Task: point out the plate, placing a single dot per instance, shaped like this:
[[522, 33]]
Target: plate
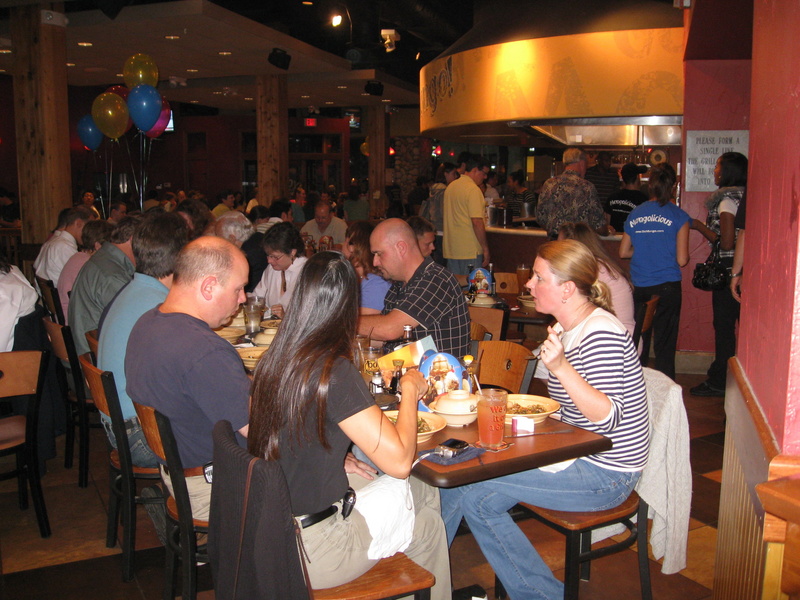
[[527, 301], [230, 333], [527, 400], [436, 423], [271, 323], [251, 356]]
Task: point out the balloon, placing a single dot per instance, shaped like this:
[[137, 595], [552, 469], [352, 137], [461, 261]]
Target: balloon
[[90, 135], [122, 92], [144, 105], [110, 114], [163, 120], [140, 69]]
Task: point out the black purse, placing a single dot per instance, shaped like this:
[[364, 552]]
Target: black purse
[[712, 274]]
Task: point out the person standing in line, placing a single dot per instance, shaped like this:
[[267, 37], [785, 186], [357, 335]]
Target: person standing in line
[[620, 204], [656, 239], [464, 209]]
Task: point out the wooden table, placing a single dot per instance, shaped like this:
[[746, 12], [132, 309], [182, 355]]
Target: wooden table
[[529, 452], [524, 316]]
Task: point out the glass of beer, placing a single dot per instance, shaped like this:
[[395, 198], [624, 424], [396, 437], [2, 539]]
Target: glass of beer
[[492, 405], [523, 275]]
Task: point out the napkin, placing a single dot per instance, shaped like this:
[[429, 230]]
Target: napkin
[[468, 454]]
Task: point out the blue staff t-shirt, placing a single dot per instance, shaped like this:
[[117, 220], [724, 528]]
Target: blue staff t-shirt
[[653, 230]]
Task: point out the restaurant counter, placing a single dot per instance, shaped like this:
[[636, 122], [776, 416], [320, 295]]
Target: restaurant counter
[[513, 245]]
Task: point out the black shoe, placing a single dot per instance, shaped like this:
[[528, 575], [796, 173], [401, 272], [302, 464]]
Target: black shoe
[[705, 389], [156, 510]]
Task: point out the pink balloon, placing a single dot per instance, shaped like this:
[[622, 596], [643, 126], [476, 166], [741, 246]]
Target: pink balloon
[[163, 120]]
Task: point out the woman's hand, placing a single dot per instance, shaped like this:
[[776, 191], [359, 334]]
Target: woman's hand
[[277, 310], [415, 382], [552, 351], [354, 466]]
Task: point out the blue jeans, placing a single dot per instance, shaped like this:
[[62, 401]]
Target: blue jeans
[[460, 266], [141, 454], [580, 487]]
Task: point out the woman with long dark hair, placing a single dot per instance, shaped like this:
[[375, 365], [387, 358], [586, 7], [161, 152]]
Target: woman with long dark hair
[[309, 403], [656, 239], [730, 176]]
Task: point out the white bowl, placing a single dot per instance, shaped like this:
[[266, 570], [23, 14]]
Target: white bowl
[[454, 419], [435, 422], [529, 401], [527, 301], [264, 338], [457, 402]]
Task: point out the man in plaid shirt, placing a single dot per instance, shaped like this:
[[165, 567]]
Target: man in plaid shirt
[[423, 294]]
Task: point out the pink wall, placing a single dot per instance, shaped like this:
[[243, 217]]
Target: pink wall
[[769, 344], [716, 96]]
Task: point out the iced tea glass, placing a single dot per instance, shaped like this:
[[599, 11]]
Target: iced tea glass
[[492, 405], [523, 276]]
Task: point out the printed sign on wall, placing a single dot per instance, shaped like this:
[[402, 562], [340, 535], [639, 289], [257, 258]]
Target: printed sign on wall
[[702, 150]]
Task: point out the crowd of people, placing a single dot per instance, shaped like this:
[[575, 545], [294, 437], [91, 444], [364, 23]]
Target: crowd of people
[[156, 284]]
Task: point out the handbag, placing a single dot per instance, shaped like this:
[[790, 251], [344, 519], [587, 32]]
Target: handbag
[[712, 274]]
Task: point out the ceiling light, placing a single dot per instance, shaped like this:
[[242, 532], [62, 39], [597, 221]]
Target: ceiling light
[[308, 3], [224, 53], [365, 94], [120, 75], [5, 51], [389, 36], [70, 64], [192, 71], [306, 96], [172, 37], [85, 44], [248, 98], [217, 93], [386, 100], [336, 20], [342, 87], [328, 102], [279, 58], [194, 101]]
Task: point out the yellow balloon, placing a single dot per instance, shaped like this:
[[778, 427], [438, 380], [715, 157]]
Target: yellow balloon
[[110, 114], [140, 69]]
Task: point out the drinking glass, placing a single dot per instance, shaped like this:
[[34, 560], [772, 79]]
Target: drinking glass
[[252, 318], [523, 276], [492, 405]]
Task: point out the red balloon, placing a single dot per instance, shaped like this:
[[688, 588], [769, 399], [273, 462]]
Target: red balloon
[[163, 120], [122, 92]]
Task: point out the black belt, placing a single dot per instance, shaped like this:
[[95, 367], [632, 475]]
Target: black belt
[[314, 518]]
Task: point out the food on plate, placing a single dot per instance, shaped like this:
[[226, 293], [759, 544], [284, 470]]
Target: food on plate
[[422, 425], [518, 409]]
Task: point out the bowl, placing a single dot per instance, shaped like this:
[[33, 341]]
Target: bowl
[[251, 356], [230, 333], [435, 422], [527, 301], [458, 419], [457, 402], [527, 401], [484, 300], [264, 338]]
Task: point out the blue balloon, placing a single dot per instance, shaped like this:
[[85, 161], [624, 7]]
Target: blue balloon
[[90, 135], [144, 106]]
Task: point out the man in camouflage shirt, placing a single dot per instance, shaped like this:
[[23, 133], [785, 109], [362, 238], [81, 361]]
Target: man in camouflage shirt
[[569, 198]]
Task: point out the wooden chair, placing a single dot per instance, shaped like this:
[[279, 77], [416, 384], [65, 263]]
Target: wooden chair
[[182, 529], [506, 365], [22, 373], [51, 299], [506, 283], [122, 472], [477, 333], [644, 322], [239, 505], [495, 320], [93, 341], [76, 401]]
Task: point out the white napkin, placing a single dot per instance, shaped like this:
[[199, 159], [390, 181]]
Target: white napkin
[[388, 508]]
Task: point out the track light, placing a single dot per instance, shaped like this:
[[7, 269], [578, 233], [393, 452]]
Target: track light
[[336, 20], [374, 88], [389, 36], [279, 58]]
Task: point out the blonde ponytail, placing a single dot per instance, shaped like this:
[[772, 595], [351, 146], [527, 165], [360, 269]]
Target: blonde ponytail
[[600, 295]]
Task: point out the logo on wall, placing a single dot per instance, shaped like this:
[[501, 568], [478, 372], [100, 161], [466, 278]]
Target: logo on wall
[[439, 87]]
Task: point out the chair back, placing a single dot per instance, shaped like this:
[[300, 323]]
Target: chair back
[[21, 372], [507, 365], [93, 377], [147, 419], [644, 319], [477, 333], [51, 299], [506, 283], [64, 349], [495, 320], [250, 511], [93, 341]]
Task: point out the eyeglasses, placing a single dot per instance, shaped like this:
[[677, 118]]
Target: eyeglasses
[[275, 257]]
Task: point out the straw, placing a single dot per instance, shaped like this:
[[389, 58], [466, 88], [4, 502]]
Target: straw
[[477, 383]]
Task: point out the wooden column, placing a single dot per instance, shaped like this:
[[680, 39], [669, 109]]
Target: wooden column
[[377, 132], [272, 127], [42, 120]]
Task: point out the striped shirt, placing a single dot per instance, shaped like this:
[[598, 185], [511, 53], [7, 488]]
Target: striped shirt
[[602, 352]]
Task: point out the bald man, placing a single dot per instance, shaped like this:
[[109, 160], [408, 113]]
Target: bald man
[[423, 294], [179, 366]]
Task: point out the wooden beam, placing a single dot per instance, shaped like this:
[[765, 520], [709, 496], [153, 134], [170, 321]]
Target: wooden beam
[[42, 120], [272, 132]]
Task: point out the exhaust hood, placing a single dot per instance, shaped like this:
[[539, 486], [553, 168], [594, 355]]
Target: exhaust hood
[[607, 131]]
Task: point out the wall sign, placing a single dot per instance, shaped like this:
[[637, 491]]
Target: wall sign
[[702, 150]]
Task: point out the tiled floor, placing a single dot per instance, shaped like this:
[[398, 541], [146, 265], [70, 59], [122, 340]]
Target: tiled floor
[[74, 562]]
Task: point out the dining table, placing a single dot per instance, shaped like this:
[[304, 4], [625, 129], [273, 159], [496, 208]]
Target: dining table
[[552, 441]]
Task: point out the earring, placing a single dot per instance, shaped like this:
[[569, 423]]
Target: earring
[[563, 301]]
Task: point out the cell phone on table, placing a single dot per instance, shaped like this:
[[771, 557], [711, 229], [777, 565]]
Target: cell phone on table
[[451, 448]]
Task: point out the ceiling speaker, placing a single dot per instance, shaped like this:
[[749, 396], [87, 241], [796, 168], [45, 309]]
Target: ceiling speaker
[[279, 58], [374, 88]]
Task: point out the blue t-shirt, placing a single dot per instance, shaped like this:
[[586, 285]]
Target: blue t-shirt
[[373, 291], [653, 230]]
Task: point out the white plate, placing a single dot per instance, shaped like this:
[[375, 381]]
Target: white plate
[[524, 400], [436, 422]]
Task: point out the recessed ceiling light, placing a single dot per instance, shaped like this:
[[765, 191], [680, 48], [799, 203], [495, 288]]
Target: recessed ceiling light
[[342, 87], [172, 37], [192, 71], [5, 51], [364, 94], [2, 70], [308, 3], [194, 101], [328, 102], [70, 64], [248, 99], [217, 93], [305, 97], [385, 100], [224, 53], [120, 75], [85, 44]]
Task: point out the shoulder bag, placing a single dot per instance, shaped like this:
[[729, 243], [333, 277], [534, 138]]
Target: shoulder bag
[[712, 274]]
